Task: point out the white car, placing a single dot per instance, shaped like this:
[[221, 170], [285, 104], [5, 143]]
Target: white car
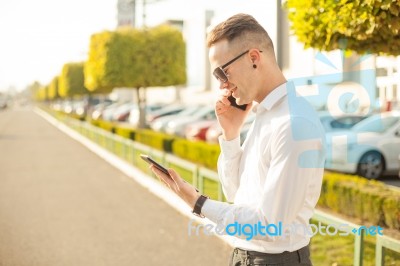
[[370, 148], [178, 125], [339, 123], [161, 123]]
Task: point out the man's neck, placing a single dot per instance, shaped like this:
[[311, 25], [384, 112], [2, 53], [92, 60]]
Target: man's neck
[[270, 85]]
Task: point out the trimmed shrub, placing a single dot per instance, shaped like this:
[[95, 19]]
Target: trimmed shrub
[[129, 133], [391, 211], [368, 200], [153, 139], [197, 151]]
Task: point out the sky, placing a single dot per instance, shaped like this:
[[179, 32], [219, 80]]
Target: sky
[[38, 37]]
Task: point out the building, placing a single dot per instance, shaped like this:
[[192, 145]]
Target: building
[[126, 13], [318, 73]]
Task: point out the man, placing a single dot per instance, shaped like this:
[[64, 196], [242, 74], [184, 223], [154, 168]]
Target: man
[[275, 178]]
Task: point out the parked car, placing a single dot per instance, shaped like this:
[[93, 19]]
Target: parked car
[[160, 123], [67, 106], [85, 106], [93, 104], [399, 165], [198, 130], [97, 110], [170, 109], [370, 148], [215, 130], [122, 112], [107, 113], [179, 124], [339, 123], [133, 116]]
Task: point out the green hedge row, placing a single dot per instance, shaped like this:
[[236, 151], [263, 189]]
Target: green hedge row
[[371, 201], [198, 151], [368, 200]]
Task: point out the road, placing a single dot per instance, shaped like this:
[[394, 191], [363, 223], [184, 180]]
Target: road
[[61, 204], [392, 180]]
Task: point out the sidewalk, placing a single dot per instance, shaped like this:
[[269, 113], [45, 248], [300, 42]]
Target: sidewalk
[[60, 204]]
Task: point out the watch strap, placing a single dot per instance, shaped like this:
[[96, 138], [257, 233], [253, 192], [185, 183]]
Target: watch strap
[[198, 205]]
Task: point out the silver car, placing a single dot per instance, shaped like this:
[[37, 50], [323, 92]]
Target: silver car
[[178, 125], [370, 148], [160, 124]]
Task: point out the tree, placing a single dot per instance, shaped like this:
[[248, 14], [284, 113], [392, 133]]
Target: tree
[[166, 57], [363, 26], [71, 80], [164, 65], [34, 89], [41, 95], [133, 58], [53, 88]]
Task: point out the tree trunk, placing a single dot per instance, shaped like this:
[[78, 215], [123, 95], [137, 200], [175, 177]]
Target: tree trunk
[[141, 96], [178, 97]]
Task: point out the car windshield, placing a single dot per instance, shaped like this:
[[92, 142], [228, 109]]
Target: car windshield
[[376, 124], [204, 111], [346, 122], [189, 110]]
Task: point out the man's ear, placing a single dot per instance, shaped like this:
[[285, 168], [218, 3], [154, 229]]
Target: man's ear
[[254, 55]]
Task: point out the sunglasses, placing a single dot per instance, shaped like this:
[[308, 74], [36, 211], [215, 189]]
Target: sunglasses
[[219, 72]]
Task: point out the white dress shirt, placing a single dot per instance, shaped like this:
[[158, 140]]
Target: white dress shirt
[[275, 176]]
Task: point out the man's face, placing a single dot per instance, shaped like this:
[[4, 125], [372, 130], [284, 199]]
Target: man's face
[[222, 53]]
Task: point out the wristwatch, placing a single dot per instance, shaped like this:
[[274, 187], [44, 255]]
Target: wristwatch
[[198, 205]]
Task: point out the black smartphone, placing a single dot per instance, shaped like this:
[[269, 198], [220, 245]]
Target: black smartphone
[[157, 165], [234, 104]]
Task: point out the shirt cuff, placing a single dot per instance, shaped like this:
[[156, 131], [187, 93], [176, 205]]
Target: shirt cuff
[[229, 148], [211, 209]]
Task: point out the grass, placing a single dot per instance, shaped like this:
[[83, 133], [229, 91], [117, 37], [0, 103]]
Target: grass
[[339, 251], [210, 188]]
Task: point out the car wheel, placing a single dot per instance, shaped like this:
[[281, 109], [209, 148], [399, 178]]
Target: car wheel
[[371, 165]]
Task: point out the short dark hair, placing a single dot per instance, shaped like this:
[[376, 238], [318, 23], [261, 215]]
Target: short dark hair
[[243, 28]]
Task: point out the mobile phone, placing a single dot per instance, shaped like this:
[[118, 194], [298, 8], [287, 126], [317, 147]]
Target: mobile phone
[[157, 165], [234, 104]]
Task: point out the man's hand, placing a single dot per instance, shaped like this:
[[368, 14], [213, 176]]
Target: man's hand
[[183, 189], [230, 118]]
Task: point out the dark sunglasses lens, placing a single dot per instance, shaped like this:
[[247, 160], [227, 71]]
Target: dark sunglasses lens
[[220, 74]]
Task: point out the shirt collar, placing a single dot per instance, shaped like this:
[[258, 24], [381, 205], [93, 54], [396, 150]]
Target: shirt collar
[[272, 98]]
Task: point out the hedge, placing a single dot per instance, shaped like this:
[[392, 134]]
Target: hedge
[[197, 151], [154, 139], [368, 200]]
